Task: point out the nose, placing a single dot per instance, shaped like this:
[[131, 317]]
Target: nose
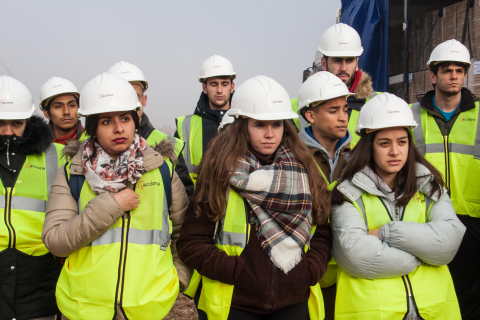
[[343, 65], [394, 151], [118, 127], [454, 74], [66, 110], [343, 116], [269, 132], [7, 131]]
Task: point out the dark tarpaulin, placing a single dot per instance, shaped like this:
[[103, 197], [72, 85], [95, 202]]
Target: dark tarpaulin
[[370, 18]]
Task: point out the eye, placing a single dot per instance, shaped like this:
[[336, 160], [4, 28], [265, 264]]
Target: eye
[[106, 122], [402, 142], [277, 125], [259, 125], [125, 119], [384, 144], [18, 124]]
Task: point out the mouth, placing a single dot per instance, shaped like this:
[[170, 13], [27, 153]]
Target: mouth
[[67, 119], [342, 128], [394, 162], [120, 140], [267, 144]]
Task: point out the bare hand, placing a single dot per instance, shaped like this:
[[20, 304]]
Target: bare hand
[[375, 232], [127, 199]]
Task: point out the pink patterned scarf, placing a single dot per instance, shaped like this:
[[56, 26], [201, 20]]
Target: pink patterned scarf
[[105, 174]]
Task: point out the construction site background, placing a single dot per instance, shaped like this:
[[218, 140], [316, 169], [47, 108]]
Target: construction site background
[[425, 33]]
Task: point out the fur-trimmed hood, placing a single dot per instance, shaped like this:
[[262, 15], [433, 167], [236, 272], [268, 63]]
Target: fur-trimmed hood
[[364, 88], [152, 156], [35, 140]]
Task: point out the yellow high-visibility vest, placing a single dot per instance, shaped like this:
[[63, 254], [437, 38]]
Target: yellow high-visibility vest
[[216, 297], [456, 156], [24, 206], [130, 265], [190, 130], [430, 286]]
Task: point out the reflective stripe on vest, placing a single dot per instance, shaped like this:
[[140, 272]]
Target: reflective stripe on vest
[[190, 130], [431, 287], [24, 207], [231, 236], [456, 156], [353, 121], [132, 261]]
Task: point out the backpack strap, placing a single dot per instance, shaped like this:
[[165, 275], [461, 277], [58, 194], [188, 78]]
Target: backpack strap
[[167, 182], [76, 184]]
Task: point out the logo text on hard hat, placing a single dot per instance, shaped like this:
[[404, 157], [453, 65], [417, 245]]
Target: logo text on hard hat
[[454, 51], [340, 43], [392, 111], [216, 67], [6, 102], [336, 84], [462, 118], [105, 95], [275, 101], [123, 72], [58, 85]]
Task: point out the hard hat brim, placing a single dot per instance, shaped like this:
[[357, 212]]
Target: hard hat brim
[[304, 105], [265, 116], [449, 60], [341, 53], [17, 115], [40, 105], [233, 76], [358, 130], [109, 109]]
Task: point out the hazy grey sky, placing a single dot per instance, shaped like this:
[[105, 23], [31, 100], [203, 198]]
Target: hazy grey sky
[[168, 40]]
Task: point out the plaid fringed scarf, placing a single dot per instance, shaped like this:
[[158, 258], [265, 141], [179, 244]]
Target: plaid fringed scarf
[[279, 195]]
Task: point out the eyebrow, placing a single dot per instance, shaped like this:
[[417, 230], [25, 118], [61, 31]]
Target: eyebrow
[[73, 100], [391, 139]]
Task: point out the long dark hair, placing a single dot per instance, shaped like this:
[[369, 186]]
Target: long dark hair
[[91, 125], [224, 150], [406, 180]]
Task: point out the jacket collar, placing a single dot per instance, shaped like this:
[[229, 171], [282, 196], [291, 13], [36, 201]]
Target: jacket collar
[[468, 101], [364, 88], [362, 183], [203, 108], [145, 128], [35, 140], [314, 146]]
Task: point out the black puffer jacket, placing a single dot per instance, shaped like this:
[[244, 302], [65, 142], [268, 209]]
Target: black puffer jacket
[[211, 122], [27, 283]]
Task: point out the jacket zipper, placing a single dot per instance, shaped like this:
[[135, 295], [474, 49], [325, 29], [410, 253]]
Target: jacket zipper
[[273, 286], [123, 256], [8, 220], [8, 209]]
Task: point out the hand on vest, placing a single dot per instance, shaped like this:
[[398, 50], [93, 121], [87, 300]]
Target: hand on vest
[[375, 232], [127, 199]]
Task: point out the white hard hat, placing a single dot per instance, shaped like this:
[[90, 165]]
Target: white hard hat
[[386, 110], [216, 66], [15, 100], [321, 86], [262, 98], [341, 40], [226, 120], [129, 72], [450, 50], [107, 93], [54, 87]]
